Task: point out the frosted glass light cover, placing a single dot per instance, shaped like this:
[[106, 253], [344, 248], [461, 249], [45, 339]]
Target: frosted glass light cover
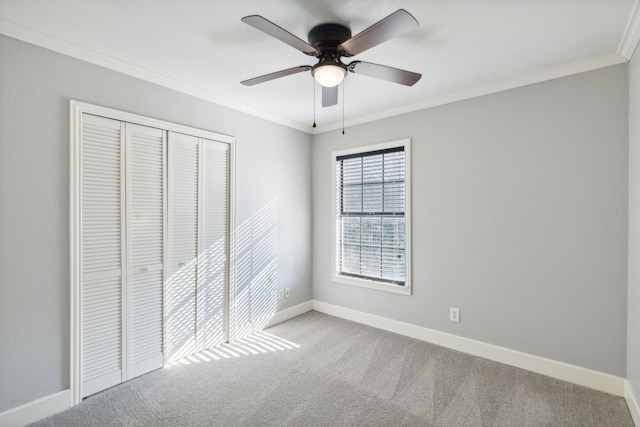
[[329, 75]]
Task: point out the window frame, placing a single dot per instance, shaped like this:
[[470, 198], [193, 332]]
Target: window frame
[[405, 289]]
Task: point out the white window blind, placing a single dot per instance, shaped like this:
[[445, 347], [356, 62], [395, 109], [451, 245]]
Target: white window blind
[[370, 215]]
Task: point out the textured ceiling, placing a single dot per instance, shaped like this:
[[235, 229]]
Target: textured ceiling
[[462, 47]]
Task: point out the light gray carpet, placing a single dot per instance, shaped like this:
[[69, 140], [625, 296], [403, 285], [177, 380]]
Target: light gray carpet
[[317, 370]]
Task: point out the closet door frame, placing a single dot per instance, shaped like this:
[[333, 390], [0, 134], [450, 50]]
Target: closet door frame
[[77, 109]]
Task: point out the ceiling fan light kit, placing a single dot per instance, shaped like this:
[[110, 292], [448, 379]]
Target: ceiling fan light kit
[[331, 42], [326, 38], [329, 74]]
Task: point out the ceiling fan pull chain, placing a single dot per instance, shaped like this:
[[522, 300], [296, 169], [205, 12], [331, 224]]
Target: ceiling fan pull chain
[[343, 93], [314, 103]]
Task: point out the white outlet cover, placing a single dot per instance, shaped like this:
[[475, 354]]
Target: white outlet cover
[[454, 314]]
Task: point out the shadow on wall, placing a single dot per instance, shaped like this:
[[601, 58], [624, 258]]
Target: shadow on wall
[[195, 303], [256, 290]]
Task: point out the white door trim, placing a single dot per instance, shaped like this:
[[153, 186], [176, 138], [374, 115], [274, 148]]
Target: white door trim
[[75, 124]]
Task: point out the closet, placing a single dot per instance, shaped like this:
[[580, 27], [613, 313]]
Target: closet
[[151, 209]]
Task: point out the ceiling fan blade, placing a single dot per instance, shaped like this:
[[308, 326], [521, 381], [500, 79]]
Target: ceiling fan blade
[[276, 75], [266, 26], [329, 96], [383, 72], [399, 22]]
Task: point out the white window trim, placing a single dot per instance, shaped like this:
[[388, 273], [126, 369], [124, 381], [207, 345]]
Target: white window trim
[[371, 284]]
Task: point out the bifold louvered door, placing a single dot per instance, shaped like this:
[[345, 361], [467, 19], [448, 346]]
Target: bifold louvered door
[[198, 231], [180, 287], [102, 258], [153, 251], [213, 244], [122, 250], [145, 176]]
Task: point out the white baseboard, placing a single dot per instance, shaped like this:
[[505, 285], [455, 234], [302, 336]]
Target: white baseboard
[[290, 313], [632, 403], [36, 410], [563, 371], [52, 404]]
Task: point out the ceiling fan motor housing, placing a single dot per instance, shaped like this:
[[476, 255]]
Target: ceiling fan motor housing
[[326, 38]]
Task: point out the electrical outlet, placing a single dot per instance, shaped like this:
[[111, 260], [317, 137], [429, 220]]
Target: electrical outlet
[[287, 293], [454, 314], [280, 294]]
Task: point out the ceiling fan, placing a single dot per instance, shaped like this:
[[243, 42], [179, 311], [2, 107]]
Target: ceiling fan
[[330, 42]]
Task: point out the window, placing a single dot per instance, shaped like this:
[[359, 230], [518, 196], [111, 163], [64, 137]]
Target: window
[[372, 216]]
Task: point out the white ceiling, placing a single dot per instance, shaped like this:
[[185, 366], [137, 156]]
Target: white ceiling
[[462, 48]]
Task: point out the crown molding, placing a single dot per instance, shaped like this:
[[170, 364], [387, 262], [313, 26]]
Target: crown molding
[[29, 35], [513, 83], [631, 35]]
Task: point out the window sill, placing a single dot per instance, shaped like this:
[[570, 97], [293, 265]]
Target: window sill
[[403, 290]]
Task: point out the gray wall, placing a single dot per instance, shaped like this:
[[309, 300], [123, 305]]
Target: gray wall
[[519, 212], [633, 323], [36, 85], [519, 219]]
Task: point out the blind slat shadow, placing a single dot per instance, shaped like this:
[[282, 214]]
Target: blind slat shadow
[[195, 299]]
